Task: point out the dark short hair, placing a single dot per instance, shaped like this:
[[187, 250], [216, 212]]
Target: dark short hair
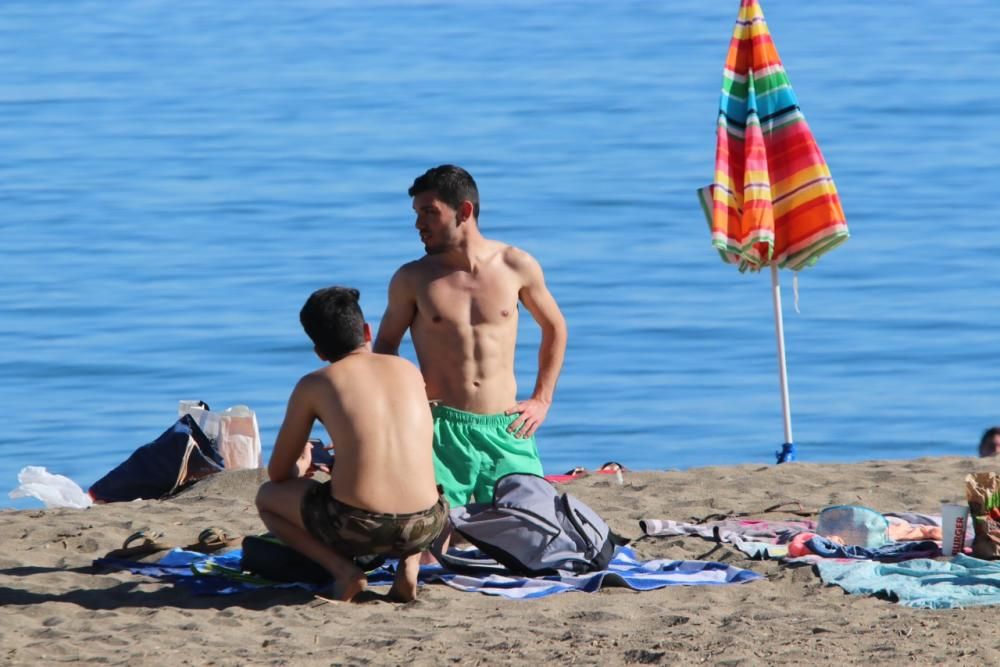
[[333, 320], [987, 446], [452, 184]]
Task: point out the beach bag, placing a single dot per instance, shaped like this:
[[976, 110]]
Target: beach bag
[[982, 490], [181, 455], [530, 529], [234, 432], [855, 525], [267, 556]]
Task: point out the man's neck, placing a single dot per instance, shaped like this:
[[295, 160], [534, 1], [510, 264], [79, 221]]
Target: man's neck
[[468, 253], [353, 353]]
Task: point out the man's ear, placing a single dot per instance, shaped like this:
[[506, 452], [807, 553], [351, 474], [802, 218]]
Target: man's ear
[[465, 210], [368, 333], [319, 354]]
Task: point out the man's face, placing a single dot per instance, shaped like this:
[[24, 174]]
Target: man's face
[[437, 222]]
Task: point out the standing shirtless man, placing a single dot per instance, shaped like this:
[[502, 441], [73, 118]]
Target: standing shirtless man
[[460, 303]]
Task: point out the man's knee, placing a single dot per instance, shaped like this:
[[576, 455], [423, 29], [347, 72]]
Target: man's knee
[[264, 495]]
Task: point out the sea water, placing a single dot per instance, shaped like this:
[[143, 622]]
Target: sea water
[[177, 177]]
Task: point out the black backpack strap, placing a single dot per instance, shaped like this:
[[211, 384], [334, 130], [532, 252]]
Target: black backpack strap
[[460, 564], [437, 546], [618, 540]]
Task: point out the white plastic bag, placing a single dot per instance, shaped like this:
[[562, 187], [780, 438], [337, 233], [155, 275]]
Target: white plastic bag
[[234, 432], [52, 490]]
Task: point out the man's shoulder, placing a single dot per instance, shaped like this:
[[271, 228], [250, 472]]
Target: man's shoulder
[[312, 384], [390, 365], [516, 258], [390, 360], [334, 376], [317, 377], [415, 269]]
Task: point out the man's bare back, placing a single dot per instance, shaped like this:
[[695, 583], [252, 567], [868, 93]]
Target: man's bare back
[[375, 410]]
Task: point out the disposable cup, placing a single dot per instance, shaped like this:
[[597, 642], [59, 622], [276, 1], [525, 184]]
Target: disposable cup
[[953, 519]]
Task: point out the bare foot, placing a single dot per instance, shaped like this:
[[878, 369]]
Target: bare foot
[[402, 593], [404, 586], [345, 588]]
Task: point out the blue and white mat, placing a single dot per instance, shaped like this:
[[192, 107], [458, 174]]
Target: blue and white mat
[[221, 575]]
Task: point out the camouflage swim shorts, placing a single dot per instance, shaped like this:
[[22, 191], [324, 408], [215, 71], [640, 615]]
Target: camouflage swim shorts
[[351, 531]]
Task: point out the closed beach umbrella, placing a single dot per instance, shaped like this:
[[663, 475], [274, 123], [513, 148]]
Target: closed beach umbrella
[[773, 202]]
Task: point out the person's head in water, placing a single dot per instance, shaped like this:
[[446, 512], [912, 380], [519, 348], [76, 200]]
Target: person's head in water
[[989, 442], [333, 320], [446, 201]]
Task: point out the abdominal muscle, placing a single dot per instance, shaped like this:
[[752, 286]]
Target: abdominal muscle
[[471, 370]]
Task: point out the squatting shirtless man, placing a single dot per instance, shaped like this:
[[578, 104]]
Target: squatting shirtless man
[[460, 303], [381, 498]]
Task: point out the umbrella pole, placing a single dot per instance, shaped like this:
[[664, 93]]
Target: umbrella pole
[[787, 453]]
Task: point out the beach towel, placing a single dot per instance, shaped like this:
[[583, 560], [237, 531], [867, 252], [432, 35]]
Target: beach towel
[[624, 570], [794, 541], [729, 530], [221, 575], [929, 584], [757, 538]]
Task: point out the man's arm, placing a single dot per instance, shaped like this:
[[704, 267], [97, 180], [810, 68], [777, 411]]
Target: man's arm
[[398, 316], [292, 454], [543, 307]]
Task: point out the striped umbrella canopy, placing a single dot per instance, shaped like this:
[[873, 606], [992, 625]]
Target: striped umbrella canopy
[[773, 202]]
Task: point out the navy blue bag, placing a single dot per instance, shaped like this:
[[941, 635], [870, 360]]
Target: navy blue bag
[[180, 456]]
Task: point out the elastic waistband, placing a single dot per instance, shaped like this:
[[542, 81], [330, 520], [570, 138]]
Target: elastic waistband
[[457, 416], [344, 507]]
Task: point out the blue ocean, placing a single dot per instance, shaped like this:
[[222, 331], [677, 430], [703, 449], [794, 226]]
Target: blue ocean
[[177, 177]]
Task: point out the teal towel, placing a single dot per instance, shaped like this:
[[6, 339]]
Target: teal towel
[[962, 582]]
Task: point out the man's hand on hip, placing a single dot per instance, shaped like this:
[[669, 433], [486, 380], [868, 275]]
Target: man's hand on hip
[[532, 413]]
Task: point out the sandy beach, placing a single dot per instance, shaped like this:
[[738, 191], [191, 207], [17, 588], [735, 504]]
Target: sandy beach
[[57, 609]]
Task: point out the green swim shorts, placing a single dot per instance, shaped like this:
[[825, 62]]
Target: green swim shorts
[[471, 452]]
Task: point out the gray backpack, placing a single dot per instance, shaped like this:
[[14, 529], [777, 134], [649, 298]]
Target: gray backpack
[[530, 529]]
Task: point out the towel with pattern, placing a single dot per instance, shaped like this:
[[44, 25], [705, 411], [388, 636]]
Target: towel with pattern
[[221, 575]]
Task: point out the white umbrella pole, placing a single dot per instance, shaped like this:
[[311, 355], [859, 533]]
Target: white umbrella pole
[[779, 329]]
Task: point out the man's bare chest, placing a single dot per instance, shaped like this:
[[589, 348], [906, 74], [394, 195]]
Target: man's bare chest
[[463, 299]]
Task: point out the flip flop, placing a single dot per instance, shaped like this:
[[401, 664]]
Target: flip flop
[[140, 543], [212, 539]]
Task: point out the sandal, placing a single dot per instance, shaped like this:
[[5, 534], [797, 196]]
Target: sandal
[[148, 543], [212, 539]]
